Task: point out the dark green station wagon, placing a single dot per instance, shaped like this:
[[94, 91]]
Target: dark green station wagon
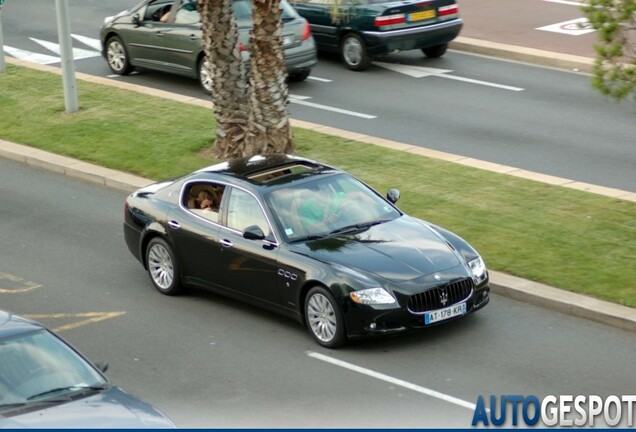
[[362, 29]]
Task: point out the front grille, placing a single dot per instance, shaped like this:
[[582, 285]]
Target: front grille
[[432, 299]]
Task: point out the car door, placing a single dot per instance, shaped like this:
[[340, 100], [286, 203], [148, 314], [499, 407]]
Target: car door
[[248, 266], [195, 237], [147, 44], [183, 41], [318, 14]]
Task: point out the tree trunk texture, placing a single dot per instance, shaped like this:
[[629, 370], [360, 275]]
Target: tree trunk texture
[[230, 86], [269, 129]]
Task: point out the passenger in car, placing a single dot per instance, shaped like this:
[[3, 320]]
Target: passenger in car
[[165, 16], [204, 200]]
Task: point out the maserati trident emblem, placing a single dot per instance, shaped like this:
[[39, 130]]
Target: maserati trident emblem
[[443, 297]]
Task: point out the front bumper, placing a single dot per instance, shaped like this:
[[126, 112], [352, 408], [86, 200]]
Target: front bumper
[[411, 38], [363, 321]]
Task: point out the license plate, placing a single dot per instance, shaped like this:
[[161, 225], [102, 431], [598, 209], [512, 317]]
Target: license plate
[[419, 16], [288, 40], [446, 313]]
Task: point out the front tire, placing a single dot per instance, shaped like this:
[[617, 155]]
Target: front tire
[[354, 52], [162, 267], [324, 318], [435, 51], [299, 76], [117, 56]]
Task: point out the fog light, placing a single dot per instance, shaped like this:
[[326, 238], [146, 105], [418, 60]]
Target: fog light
[[372, 326]]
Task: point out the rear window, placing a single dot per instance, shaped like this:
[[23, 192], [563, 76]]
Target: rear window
[[243, 11]]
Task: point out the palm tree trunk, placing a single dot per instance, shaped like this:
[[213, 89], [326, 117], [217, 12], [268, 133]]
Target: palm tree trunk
[[229, 91], [269, 128]]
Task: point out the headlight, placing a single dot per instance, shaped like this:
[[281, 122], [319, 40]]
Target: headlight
[[478, 269], [372, 296]]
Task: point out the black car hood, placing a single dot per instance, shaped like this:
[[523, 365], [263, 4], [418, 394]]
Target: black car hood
[[400, 250]]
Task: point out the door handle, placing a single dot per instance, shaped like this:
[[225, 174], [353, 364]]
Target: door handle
[[174, 224], [194, 37], [226, 243], [160, 33]]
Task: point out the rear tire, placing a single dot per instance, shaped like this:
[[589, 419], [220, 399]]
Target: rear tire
[[299, 76], [354, 52], [117, 56], [162, 267], [435, 51], [205, 75]]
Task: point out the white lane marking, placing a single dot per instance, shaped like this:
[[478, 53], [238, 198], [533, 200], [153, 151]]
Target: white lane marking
[[311, 77], [328, 108], [412, 71], [122, 76], [421, 72], [575, 27], [78, 53], [484, 83], [31, 56], [96, 44], [299, 97], [394, 381], [566, 2]]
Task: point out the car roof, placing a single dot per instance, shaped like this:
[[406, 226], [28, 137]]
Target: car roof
[[11, 324], [269, 169]]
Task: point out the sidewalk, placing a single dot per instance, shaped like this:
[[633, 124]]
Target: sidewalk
[[543, 32], [519, 289]]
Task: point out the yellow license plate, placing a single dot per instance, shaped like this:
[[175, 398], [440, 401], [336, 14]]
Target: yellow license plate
[[418, 16]]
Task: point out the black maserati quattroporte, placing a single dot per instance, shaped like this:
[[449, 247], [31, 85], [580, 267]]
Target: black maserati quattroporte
[[306, 240]]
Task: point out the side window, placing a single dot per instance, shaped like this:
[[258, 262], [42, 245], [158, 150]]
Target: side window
[[156, 10], [244, 211], [203, 199]]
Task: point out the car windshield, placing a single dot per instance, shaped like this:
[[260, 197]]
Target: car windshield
[[38, 366], [328, 205]]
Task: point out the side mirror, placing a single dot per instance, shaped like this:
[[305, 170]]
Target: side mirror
[[393, 195], [253, 232], [136, 20], [102, 366]]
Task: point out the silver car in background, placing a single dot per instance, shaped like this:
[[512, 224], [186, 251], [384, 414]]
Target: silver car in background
[[165, 35]]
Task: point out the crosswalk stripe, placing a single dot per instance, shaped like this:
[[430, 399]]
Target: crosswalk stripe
[[30, 56], [78, 53], [96, 44]]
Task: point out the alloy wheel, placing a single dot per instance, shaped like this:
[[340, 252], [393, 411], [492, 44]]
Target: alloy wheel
[[322, 317], [205, 76], [161, 267]]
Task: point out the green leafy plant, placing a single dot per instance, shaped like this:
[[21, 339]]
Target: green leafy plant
[[615, 65]]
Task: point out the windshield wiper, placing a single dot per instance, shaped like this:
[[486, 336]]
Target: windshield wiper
[[310, 237], [69, 388], [358, 227]]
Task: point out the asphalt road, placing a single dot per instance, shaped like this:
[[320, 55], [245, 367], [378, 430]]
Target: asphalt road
[[538, 119], [208, 361]]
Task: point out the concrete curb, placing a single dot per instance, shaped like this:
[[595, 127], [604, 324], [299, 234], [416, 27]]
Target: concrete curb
[[510, 286], [567, 302], [523, 54]]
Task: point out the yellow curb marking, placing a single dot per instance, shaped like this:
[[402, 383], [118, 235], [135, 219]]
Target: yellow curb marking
[[24, 286], [91, 317]]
